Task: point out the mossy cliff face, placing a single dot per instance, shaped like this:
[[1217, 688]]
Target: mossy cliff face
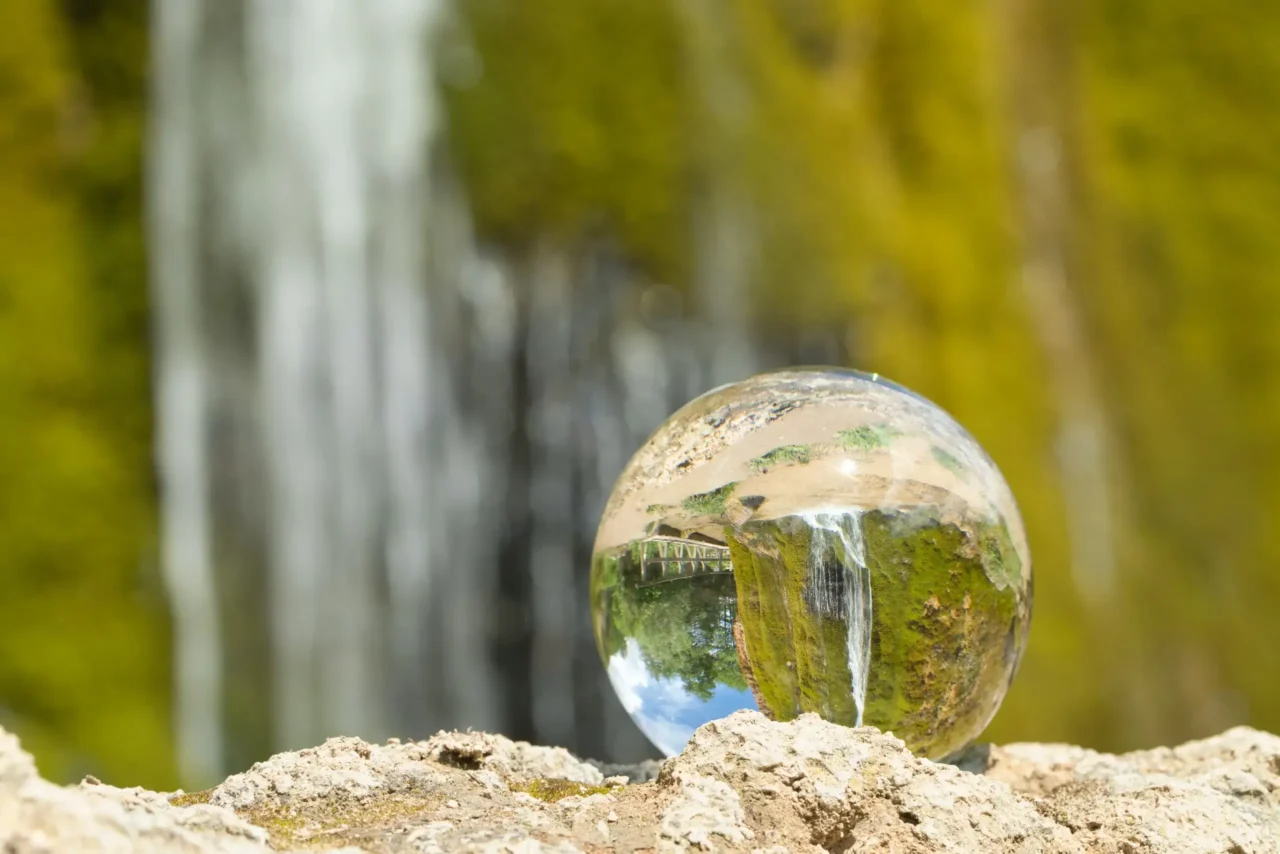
[[948, 628], [949, 622], [798, 656]]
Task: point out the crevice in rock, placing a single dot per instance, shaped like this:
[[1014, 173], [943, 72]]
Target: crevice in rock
[[467, 760]]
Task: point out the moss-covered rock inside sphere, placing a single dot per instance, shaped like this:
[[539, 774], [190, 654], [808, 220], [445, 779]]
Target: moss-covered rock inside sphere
[[945, 623], [945, 632]]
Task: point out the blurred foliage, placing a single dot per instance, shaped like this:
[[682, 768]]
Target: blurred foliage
[[83, 638], [870, 152], [573, 121], [1179, 246]]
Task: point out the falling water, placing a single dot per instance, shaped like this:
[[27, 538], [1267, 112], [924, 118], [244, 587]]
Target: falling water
[[384, 446], [302, 401], [839, 534]]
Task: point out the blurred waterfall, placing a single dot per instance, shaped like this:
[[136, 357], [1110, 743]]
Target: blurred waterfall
[[296, 361], [383, 449]]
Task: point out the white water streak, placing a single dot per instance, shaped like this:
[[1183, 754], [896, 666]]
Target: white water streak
[[182, 398], [839, 532], [343, 99]]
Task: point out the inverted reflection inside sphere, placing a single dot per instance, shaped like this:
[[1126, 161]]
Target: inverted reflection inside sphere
[[812, 540]]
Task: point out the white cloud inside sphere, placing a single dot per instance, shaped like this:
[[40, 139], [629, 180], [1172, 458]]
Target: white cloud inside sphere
[[654, 704]]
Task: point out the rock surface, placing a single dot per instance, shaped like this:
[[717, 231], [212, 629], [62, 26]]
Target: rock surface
[[744, 783]]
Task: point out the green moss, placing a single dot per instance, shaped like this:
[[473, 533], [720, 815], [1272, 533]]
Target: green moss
[[805, 641], [337, 821], [943, 626], [578, 127], [1003, 565], [942, 632], [713, 503], [799, 657], [867, 437], [785, 455], [948, 460], [838, 704], [552, 789], [190, 799], [759, 576]]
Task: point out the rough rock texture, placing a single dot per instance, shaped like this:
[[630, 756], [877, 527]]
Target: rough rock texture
[[744, 783], [642, 772]]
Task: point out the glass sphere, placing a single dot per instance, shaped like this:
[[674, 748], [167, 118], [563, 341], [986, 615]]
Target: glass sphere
[[812, 540]]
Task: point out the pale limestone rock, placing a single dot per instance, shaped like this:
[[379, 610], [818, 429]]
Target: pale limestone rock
[[41, 818], [703, 810], [512, 760], [860, 790], [346, 766], [743, 784], [16, 765]]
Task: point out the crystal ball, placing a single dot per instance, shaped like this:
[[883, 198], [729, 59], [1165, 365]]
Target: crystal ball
[[812, 540]]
